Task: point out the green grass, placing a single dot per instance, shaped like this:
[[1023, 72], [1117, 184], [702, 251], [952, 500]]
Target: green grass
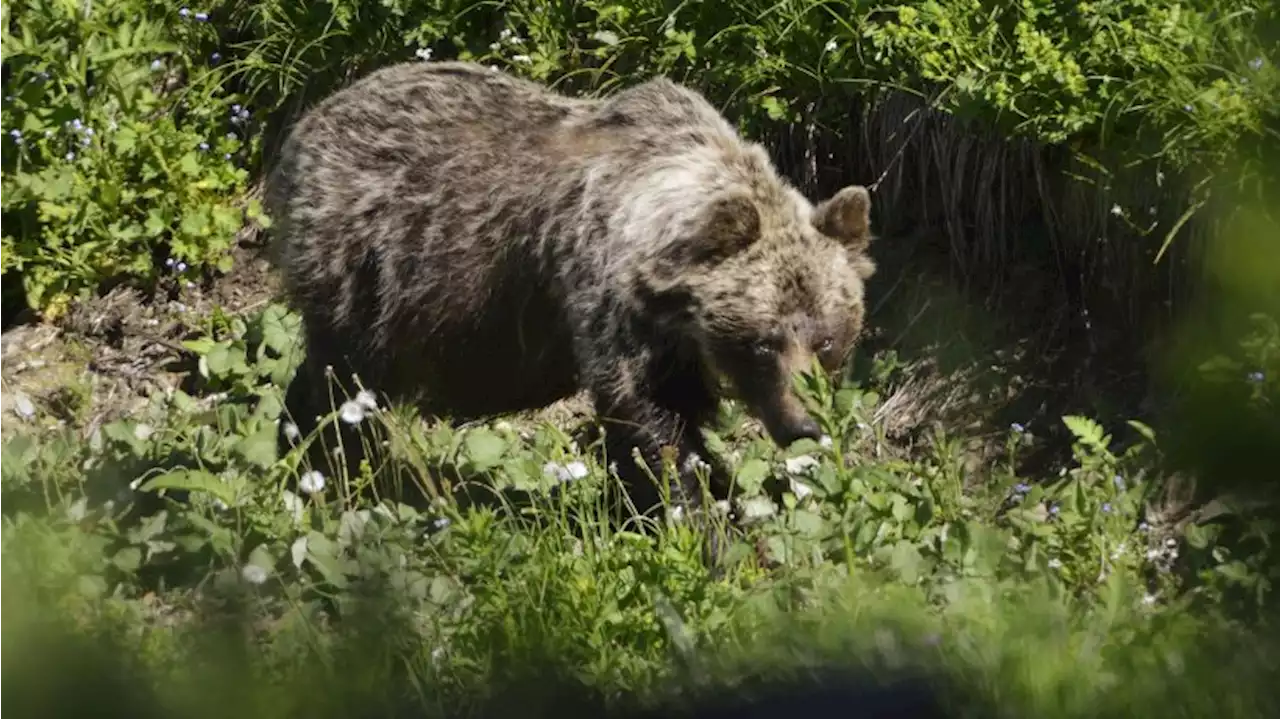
[[174, 562]]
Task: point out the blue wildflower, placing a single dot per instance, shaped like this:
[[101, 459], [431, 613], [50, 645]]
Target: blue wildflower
[[1017, 427], [184, 12], [215, 58], [203, 146], [1106, 508], [180, 267], [202, 16], [156, 65], [1119, 482]]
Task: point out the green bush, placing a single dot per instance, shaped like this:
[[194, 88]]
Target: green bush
[[122, 154], [1180, 83]]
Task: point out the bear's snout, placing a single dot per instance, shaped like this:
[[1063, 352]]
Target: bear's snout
[[802, 428], [787, 421]]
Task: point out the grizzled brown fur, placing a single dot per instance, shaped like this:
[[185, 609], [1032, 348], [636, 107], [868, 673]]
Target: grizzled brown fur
[[475, 244]]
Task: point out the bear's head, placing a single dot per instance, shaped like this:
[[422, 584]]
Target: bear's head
[[766, 283]]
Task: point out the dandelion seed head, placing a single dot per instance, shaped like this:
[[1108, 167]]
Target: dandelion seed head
[[367, 399], [253, 574], [311, 482], [351, 412]]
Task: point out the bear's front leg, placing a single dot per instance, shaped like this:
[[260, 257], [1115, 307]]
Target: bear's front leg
[[639, 424]]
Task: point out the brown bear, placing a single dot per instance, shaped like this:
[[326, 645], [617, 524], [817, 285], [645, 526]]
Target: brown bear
[[476, 244]]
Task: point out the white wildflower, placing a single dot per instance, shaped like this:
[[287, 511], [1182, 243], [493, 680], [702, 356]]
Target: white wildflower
[[311, 482], [831, 46], [291, 431], [423, 53], [143, 432], [677, 513], [522, 59], [1117, 210], [825, 442], [351, 412], [565, 472], [367, 399], [253, 574], [1055, 563], [441, 523]]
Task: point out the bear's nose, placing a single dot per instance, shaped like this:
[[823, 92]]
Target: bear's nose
[[803, 428]]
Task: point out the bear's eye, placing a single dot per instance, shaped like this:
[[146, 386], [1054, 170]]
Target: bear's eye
[[767, 346]]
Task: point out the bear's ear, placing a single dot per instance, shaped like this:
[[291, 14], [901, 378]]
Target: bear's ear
[[846, 216], [724, 226]]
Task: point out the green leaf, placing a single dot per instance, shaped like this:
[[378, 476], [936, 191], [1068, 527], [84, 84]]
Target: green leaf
[[192, 480], [751, 475], [1087, 431], [128, 559], [259, 448], [906, 560], [484, 448]]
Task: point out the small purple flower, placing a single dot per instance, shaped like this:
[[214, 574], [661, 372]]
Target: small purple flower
[[215, 58], [180, 267], [1255, 64], [184, 12], [235, 109], [1021, 488], [1053, 509], [76, 124], [169, 262], [1143, 527], [203, 146], [1187, 108], [15, 133], [1256, 377], [1106, 508], [1119, 482], [202, 16], [226, 156], [1017, 427], [156, 65], [70, 156], [88, 132], [85, 141]]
